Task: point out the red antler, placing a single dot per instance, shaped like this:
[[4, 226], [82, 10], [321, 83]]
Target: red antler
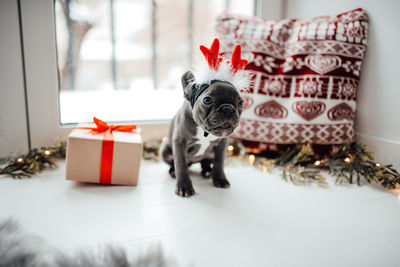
[[236, 60], [211, 54]]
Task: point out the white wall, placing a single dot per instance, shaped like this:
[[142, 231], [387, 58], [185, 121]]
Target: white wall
[[378, 101], [13, 129]]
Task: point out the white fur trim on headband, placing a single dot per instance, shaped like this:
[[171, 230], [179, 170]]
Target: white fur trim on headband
[[204, 74]]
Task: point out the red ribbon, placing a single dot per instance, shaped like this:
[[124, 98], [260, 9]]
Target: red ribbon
[[107, 150]]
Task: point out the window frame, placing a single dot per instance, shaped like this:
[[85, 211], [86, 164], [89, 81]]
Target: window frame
[[41, 72]]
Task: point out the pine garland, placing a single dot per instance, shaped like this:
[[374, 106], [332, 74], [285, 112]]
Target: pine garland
[[351, 163], [33, 162]]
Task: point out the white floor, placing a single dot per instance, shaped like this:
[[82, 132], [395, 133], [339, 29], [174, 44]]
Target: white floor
[[260, 221]]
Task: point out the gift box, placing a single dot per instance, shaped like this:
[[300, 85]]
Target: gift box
[[105, 154]]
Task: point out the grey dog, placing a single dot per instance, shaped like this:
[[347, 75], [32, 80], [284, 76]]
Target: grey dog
[[199, 132]]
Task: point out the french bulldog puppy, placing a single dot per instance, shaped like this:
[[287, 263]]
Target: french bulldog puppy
[[199, 132]]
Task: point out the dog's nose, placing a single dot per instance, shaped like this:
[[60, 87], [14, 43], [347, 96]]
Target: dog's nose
[[227, 109]]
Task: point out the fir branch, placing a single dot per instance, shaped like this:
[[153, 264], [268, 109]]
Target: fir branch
[[360, 165], [33, 162], [150, 150], [301, 174], [287, 157], [351, 163]]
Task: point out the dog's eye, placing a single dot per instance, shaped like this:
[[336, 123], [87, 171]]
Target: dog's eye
[[207, 100], [240, 103]]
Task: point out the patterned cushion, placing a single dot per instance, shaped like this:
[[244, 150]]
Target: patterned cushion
[[305, 76]]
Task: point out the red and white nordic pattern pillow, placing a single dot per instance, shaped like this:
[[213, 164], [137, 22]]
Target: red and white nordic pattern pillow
[[305, 76]]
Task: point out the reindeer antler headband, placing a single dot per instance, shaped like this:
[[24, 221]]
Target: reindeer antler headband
[[220, 70], [214, 61]]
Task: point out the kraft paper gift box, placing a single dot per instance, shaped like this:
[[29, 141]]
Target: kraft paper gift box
[[104, 155]]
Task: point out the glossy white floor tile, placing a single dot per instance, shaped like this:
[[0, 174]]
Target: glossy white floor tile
[[260, 221]]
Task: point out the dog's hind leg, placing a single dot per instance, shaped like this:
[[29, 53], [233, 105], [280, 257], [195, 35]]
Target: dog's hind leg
[[166, 155], [206, 169], [172, 170]]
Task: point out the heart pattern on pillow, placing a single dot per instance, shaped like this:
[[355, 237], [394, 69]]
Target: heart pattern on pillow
[[323, 63], [271, 109], [308, 110], [247, 102], [341, 112]]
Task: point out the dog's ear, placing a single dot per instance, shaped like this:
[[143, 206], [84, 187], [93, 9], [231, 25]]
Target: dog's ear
[[187, 78]]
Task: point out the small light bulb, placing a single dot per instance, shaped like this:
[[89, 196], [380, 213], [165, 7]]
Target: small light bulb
[[378, 165], [47, 152], [252, 159], [347, 160], [20, 160], [316, 163], [230, 148]]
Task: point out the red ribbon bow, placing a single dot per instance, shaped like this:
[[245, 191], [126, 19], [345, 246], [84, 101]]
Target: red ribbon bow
[[103, 127], [107, 150]]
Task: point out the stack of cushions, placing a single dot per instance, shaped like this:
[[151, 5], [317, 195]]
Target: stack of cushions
[[305, 75]]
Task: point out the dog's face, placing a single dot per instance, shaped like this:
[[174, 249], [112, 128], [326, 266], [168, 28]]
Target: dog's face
[[217, 110]]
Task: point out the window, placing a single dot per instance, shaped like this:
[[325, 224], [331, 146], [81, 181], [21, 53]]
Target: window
[[122, 60]]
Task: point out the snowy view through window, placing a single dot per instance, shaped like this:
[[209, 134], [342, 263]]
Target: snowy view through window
[[122, 60]]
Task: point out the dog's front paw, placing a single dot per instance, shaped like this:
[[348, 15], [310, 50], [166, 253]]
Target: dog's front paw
[[222, 183], [184, 189]]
